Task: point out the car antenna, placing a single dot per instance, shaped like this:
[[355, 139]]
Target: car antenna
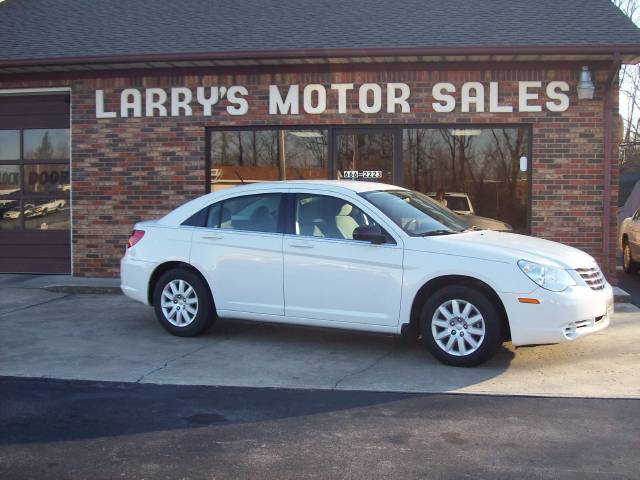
[[239, 176]]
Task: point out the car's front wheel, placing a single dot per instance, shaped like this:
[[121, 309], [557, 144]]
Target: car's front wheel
[[460, 326], [183, 303], [628, 263]]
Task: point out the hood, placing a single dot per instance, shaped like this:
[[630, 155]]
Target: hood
[[488, 223], [506, 247]]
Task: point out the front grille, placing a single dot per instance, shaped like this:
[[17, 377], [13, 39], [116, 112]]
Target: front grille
[[593, 277]]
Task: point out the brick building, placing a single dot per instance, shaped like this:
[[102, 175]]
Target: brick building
[[112, 112]]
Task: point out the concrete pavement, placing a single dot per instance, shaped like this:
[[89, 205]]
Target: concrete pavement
[[111, 338]]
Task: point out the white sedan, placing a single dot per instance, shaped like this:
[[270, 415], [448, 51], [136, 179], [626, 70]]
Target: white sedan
[[630, 243], [361, 256]]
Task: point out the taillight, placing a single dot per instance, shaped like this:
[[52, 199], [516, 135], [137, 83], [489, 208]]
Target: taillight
[[135, 237]]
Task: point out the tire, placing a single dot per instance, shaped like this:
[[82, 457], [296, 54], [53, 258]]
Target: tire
[[175, 309], [437, 329], [629, 265]]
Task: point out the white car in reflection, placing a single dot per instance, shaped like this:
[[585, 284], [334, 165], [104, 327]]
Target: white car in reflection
[[361, 256], [16, 212], [50, 207]]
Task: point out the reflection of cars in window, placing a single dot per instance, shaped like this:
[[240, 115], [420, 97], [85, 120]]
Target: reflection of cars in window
[[49, 207], [363, 256], [6, 205], [460, 203], [12, 213]]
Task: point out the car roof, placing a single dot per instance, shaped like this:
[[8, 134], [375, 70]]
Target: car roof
[[345, 186]]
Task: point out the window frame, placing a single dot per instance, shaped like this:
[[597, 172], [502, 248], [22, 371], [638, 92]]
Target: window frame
[[24, 197]]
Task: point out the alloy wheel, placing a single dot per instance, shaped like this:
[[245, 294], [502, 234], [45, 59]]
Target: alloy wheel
[[626, 253], [458, 327], [179, 303]]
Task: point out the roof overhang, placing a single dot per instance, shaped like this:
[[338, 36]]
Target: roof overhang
[[629, 54]]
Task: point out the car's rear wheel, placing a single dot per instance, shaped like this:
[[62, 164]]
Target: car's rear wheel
[[460, 326], [183, 303], [628, 263]]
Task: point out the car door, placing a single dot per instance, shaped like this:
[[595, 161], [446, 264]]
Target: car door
[[239, 251], [328, 275]]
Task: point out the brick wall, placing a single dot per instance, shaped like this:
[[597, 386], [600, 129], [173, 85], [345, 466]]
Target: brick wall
[[127, 169]]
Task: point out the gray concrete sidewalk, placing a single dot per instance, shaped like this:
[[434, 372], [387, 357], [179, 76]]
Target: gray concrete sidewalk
[[108, 337]]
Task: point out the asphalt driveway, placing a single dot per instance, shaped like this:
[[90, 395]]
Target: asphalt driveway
[[111, 338]]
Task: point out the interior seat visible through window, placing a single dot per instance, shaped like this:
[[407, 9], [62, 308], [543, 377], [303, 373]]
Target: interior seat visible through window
[[328, 217]]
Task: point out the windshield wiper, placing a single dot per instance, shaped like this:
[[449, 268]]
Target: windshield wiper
[[473, 228], [434, 233]]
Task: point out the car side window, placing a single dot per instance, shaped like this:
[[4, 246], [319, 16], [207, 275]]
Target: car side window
[[323, 216], [198, 219], [254, 213]]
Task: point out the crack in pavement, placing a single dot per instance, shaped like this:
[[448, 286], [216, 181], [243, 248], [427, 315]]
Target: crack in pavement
[[19, 309], [368, 367], [171, 360]]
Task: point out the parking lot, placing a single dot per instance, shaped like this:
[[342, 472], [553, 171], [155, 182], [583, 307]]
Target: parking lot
[[110, 338]]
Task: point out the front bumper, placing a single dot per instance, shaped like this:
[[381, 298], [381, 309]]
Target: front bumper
[[560, 316]]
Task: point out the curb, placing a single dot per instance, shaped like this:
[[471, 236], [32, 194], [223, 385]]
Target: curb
[[620, 296], [84, 289]]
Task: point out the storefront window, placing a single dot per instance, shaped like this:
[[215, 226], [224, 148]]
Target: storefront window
[[249, 156], [9, 144], [46, 178], [9, 181], [34, 187], [365, 156], [46, 214], [473, 171], [46, 144]]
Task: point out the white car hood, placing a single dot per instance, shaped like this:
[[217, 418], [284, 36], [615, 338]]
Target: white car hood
[[502, 246]]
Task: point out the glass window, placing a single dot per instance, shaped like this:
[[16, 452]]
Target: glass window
[[365, 156], [46, 144], [213, 216], [197, 219], [249, 156], [328, 217], [9, 181], [46, 214], [305, 155], [256, 213], [46, 178], [416, 213], [472, 171], [9, 144]]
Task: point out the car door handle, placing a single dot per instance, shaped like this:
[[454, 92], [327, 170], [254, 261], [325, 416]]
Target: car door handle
[[300, 245], [212, 237]]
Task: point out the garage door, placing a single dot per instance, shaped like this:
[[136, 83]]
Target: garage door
[[35, 209]]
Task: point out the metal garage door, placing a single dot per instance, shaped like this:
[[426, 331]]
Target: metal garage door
[[35, 209]]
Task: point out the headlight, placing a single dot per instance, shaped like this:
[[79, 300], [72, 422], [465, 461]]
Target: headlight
[[551, 278]]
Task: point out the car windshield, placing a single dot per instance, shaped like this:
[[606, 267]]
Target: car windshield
[[415, 213]]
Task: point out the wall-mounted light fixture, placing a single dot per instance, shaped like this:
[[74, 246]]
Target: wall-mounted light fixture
[[586, 88]]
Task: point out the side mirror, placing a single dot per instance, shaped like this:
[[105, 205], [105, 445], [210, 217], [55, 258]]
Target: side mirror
[[369, 233]]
